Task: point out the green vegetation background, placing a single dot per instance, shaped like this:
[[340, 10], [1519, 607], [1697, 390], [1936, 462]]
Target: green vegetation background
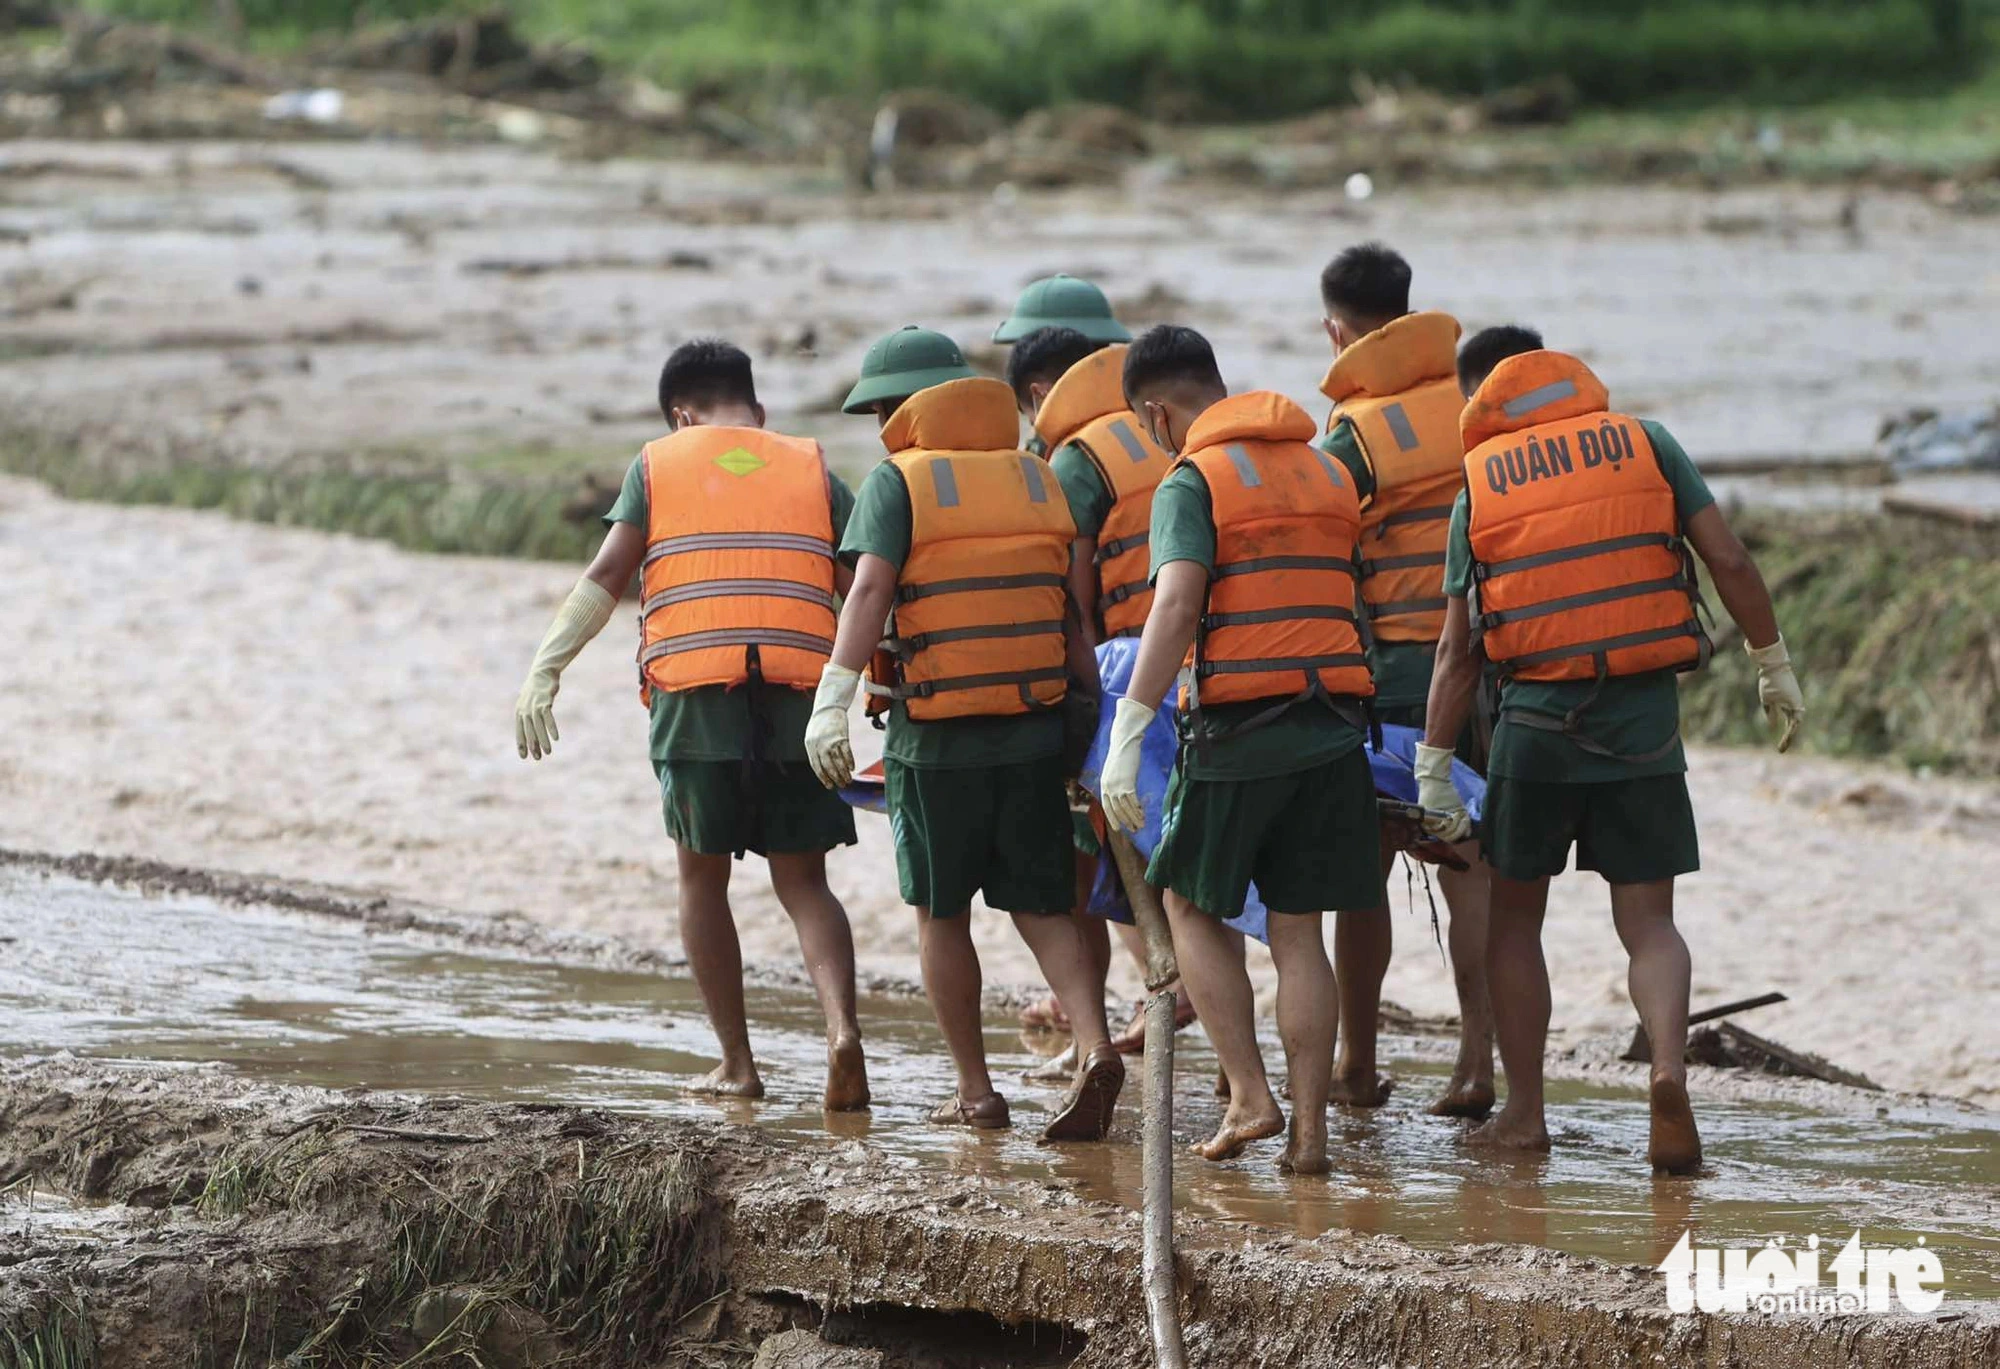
[[1226, 59]]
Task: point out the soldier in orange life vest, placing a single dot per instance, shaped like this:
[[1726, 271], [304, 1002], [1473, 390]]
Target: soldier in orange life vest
[[961, 542], [735, 529], [1570, 574], [1394, 426], [1252, 543], [1071, 388]]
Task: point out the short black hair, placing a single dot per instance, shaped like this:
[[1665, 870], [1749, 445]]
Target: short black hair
[[1168, 354], [1368, 283], [704, 372], [1489, 347], [1044, 355]]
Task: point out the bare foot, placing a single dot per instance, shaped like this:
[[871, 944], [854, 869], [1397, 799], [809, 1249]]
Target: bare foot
[[1221, 1084], [1059, 1068], [1047, 1015], [846, 1077], [1675, 1146], [1238, 1131], [1132, 1040], [724, 1082], [1464, 1098], [1507, 1132], [1305, 1151], [1367, 1089]]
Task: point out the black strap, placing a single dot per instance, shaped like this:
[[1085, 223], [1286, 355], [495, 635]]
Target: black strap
[[1435, 513], [1603, 646], [749, 778], [923, 689], [1489, 621], [1118, 594], [1277, 615], [1313, 664], [1486, 570], [1119, 546], [1397, 607], [1415, 561], [1264, 563], [1037, 580], [1570, 725], [906, 647]]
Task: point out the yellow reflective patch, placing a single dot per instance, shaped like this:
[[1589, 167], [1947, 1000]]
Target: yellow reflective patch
[[740, 461]]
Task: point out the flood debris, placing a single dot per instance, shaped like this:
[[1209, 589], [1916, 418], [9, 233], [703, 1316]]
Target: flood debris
[[1925, 440]]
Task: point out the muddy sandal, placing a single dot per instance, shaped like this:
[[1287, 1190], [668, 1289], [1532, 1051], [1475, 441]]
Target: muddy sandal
[[981, 1114], [1086, 1112]]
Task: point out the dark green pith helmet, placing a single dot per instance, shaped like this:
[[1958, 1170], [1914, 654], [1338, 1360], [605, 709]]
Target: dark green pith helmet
[[1062, 302], [906, 361]]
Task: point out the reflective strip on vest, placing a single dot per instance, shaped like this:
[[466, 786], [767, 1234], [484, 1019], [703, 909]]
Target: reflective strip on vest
[[1031, 471], [972, 584], [1246, 469], [738, 541], [1398, 419], [945, 482], [1129, 440], [1539, 398], [717, 589], [697, 641]]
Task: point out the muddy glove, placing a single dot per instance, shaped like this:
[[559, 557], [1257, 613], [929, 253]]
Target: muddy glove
[[582, 616], [1444, 811], [1778, 690], [827, 744], [1118, 787]]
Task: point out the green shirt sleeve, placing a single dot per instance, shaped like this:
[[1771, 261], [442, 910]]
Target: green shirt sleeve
[[1183, 527], [1342, 446], [1458, 548], [630, 506], [1089, 499], [1691, 493], [880, 522], [841, 497]]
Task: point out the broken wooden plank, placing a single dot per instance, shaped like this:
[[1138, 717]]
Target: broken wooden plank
[[1641, 1050], [1800, 1062]]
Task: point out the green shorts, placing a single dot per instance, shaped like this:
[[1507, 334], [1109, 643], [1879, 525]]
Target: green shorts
[[998, 830], [782, 810], [1630, 831], [1412, 715], [1311, 841], [1083, 835]]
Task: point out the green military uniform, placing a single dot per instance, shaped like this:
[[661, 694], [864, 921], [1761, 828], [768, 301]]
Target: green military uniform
[[1629, 819], [977, 804], [1090, 503], [1402, 669], [701, 737], [1290, 805]]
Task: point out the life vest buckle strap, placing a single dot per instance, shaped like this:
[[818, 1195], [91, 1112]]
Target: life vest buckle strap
[[1582, 550], [1118, 546], [725, 637], [738, 541], [1435, 513], [924, 689], [1118, 594], [1276, 615], [1374, 566], [1639, 589], [976, 583], [1279, 663], [1265, 563], [1401, 607], [1690, 628], [907, 647], [721, 589]]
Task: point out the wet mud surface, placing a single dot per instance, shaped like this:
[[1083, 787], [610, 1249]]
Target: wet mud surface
[[254, 301], [284, 999]]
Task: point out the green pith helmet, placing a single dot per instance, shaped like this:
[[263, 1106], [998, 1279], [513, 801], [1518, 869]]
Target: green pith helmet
[[906, 361], [1062, 302]]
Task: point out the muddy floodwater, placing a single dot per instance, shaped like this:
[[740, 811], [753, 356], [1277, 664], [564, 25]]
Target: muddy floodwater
[[116, 975]]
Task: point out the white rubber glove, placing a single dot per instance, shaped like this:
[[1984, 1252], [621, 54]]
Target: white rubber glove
[[1444, 811], [827, 744], [1118, 787], [1778, 690], [582, 616]]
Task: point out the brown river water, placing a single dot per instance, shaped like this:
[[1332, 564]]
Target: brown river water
[[116, 976]]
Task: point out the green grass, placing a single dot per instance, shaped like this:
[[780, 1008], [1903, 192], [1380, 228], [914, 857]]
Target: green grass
[[1229, 59], [57, 1336]]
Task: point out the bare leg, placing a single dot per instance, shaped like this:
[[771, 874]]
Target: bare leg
[[708, 936], [1519, 981], [1071, 970], [1362, 940], [1470, 1092], [827, 943], [1211, 957], [952, 983], [1097, 943], [1306, 1021], [1132, 1039], [1658, 981]]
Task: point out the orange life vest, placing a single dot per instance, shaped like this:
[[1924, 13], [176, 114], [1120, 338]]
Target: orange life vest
[[977, 628], [1397, 391], [1087, 407], [1579, 569], [738, 575], [1281, 618]]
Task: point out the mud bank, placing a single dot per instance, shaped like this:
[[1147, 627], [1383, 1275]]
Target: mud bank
[[275, 1221]]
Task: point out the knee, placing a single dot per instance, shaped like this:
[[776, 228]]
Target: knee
[[798, 881]]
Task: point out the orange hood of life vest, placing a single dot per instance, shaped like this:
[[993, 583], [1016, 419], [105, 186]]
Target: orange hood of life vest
[[1530, 389], [972, 415], [1092, 389], [1398, 356], [1258, 416]]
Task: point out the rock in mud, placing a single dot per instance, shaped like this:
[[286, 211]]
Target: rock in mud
[[804, 1350]]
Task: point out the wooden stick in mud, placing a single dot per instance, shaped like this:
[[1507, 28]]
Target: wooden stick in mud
[[1163, 1305]]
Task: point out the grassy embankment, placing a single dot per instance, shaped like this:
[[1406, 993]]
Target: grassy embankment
[[1224, 59]]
